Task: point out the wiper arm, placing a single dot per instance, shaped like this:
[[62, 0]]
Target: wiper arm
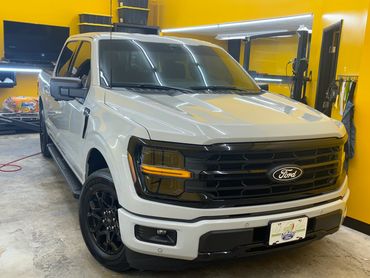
[[220, 87], [216, 88], [152, 86]]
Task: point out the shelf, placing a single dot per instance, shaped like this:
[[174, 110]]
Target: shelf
[[133, 8], [95, 19], [94, 24], [105, 15]]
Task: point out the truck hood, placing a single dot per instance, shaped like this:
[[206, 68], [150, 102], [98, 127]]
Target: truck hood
[[213, 118]]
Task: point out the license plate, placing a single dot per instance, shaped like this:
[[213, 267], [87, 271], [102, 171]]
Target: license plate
[[288, 230]]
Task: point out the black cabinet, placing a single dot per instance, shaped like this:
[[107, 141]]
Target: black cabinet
[[139, 29]]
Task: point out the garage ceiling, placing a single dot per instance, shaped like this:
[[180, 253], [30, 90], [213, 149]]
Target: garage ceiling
[[232, 30]]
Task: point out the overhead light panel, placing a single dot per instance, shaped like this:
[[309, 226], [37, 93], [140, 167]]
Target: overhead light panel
[[230, 37], [268, 79], [283, 36], [241, 36], [268, 20], [235, 24], [25, 70]]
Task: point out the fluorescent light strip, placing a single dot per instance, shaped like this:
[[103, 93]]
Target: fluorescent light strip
[[268, 79], [25, 70], [234, 24], [283, 36], [269, 20], [225, 38], [184, 29], [245, 35]]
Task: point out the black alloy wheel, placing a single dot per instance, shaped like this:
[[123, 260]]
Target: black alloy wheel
[[102, 219], [99, 221]]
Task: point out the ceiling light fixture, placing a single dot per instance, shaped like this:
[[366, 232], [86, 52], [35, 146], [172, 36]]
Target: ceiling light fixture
[[268, 79], [234, 24], [25, 70], [241, 36], [283, 36], [230, 37]]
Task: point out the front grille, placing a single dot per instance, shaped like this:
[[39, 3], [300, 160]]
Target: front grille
[[237, 174]]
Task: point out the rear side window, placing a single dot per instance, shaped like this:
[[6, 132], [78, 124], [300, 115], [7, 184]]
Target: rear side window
[[66, 58]]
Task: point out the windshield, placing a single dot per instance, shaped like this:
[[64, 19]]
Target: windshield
[[195, 67]]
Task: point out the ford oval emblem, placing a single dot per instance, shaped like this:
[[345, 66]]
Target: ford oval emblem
[[285, 173]]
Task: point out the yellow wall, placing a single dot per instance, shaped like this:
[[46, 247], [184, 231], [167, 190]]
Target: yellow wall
[[175, 13], [354, 14], [270, 56], [359, 202], [61, 13]]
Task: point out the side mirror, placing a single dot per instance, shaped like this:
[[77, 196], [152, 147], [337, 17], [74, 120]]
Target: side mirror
[[264, 86], [67, 88]]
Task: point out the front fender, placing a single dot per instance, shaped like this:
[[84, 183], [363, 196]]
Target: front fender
[[111, 140]]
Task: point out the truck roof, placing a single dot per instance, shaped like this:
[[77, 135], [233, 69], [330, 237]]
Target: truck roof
[[140, 37]]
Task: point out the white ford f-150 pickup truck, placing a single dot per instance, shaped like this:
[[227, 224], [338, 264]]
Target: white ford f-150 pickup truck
[[177, 156]]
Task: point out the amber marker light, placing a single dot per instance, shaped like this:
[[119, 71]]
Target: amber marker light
[[165, 172]]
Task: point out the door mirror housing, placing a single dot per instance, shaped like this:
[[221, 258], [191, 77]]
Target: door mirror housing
[[67, 88]]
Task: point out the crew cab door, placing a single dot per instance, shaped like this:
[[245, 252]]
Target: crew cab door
[[68, 118], [76, 111], [56, 120]]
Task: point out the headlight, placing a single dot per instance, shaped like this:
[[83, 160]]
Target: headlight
[[158, 171], [165, 163]]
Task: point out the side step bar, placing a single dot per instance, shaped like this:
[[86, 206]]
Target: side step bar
[[70, 177]]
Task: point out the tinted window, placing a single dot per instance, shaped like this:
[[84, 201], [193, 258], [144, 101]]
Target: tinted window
[[82, 63], [129, 65], [66, 59], [179, 65]]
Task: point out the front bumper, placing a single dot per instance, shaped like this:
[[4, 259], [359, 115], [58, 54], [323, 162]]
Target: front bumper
[[189, 233]]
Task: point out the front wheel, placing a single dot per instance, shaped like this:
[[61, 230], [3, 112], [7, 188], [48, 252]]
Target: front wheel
[[99, 221]]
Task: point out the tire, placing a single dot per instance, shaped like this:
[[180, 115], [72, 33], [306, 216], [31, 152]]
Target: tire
[[99, 221], [44, 136]]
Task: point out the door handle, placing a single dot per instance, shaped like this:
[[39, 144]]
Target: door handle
[[86, 112]]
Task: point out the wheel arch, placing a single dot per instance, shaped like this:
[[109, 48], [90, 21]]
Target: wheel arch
[[95, 161]]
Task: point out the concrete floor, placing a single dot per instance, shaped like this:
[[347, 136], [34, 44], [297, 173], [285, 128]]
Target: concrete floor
[[40, 235]]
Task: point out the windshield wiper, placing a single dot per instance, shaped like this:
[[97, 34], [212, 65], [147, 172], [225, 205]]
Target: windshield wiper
[[152, 86], [220, 87]]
